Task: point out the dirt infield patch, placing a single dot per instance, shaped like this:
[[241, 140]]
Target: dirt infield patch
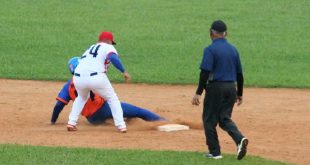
[[276, 121]]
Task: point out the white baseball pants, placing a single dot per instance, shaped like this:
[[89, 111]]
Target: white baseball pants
[[100, 84]]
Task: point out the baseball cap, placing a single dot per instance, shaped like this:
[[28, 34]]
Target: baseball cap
[[219, 26], [106, 36]]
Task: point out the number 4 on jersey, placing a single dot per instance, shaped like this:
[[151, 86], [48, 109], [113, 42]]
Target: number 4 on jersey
[[94, 50]]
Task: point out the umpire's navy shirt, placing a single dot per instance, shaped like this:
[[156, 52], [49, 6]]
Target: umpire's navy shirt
[[222, 60]]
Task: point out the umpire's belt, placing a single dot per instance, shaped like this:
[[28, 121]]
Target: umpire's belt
[[92, 74], [215, 81]]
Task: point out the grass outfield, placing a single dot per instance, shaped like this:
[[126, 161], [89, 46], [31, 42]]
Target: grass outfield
[[17, 154], [159, 41]]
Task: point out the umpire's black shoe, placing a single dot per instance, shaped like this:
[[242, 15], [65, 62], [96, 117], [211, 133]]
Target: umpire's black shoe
[[214, 157], [241, 150]]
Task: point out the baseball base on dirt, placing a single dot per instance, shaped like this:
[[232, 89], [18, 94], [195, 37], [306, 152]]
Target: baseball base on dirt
[[172, 127]]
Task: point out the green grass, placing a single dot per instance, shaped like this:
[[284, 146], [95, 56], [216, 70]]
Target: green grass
[[18, 154], [159, 41]]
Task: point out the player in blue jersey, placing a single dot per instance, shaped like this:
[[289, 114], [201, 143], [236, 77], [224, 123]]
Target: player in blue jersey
[[96, 109]]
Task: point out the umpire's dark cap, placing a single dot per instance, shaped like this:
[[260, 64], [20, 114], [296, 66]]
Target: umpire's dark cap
[[219, 26]]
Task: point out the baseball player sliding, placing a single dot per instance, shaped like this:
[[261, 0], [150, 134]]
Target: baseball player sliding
[[96, 110], [90, 74]]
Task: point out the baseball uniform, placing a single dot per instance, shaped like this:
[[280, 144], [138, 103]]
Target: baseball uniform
[[89, 75], [96, 110]]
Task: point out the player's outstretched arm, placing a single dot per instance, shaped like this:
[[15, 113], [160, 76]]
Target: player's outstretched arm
[[63, 99], [57, 109], [118, 64]]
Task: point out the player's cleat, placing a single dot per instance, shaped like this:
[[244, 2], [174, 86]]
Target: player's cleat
[[122, 130], [214, 157], [242, 148], [71, 128]]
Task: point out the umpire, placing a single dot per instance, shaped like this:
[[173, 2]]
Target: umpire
[[220, 70]]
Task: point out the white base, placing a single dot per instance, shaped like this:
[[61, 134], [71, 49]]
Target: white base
[[172, 127]]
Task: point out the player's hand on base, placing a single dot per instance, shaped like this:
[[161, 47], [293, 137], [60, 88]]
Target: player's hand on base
[[195, 100], [127, 76], [239, 100]]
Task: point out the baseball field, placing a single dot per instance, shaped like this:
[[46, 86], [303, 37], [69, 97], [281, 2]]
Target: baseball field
[[160, 44]]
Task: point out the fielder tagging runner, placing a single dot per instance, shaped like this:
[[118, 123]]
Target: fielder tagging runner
[[90, 74], [96, 110]]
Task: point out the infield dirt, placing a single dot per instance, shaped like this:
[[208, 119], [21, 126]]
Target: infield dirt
[[276, 121]]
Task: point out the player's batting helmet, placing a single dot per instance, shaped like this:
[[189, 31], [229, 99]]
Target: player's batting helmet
[[73, 63]]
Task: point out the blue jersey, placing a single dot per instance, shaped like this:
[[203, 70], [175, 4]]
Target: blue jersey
[[64, 95], [222, 60]]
